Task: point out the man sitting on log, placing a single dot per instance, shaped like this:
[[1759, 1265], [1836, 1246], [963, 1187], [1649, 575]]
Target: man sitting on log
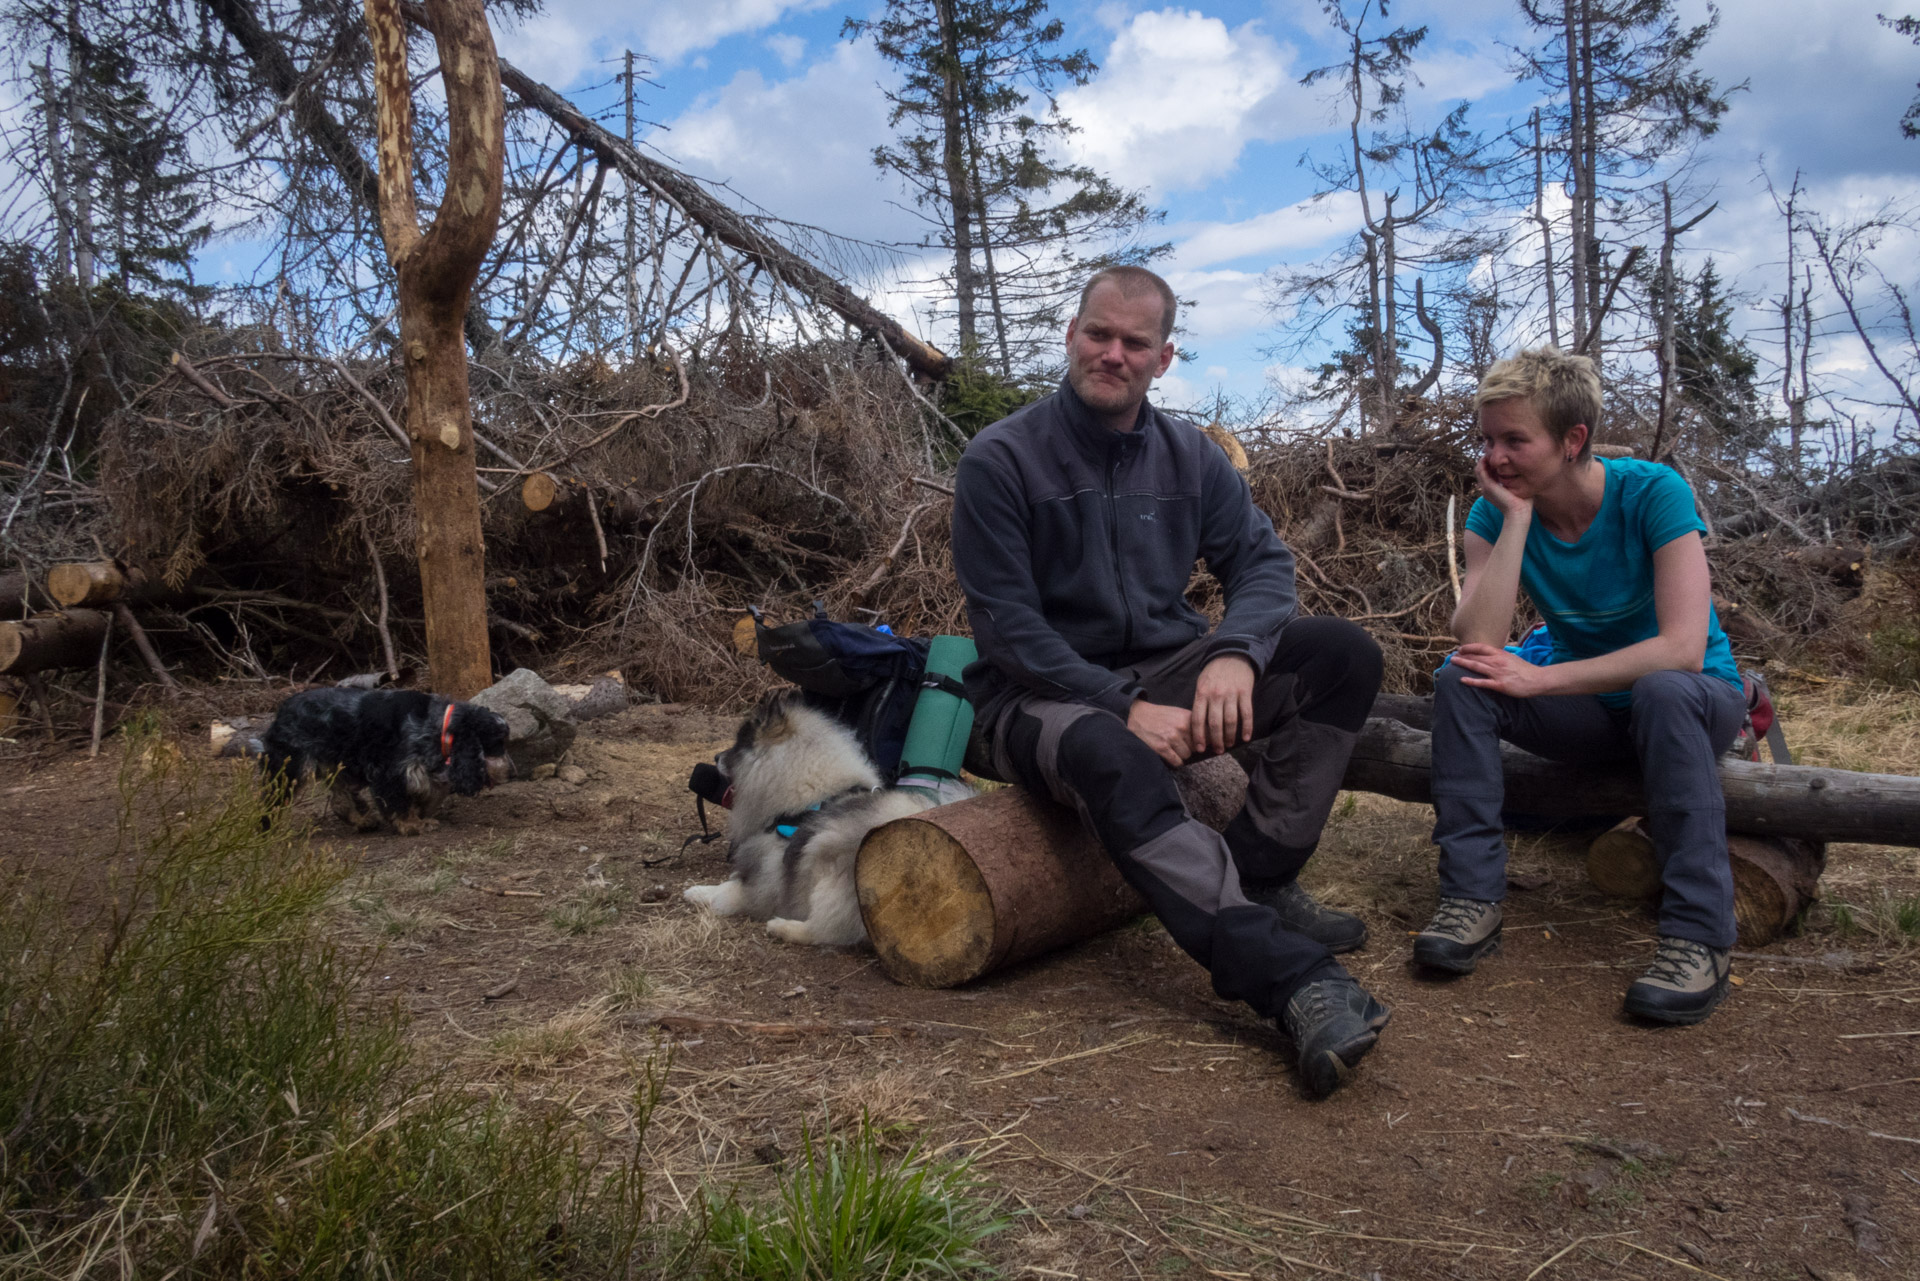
[[1076, 525], [1610, 554]]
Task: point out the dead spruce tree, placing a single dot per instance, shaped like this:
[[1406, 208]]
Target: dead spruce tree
[[436, 271]]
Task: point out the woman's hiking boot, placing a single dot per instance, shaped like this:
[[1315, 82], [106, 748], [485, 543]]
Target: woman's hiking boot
[[1684, 983], [1461, 932], [1335, 931], [1333, 1023]]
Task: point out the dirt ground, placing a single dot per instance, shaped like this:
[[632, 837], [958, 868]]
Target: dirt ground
[[1512, 1124]]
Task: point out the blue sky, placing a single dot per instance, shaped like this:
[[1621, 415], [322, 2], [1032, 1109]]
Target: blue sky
[[1200, 105]]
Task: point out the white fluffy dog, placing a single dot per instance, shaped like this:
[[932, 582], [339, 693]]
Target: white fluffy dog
[[802, 797]]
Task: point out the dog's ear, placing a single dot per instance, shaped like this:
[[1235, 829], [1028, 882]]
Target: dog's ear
[[772, 721]]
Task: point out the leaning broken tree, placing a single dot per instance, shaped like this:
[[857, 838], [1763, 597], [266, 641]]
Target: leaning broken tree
[[436, 271]]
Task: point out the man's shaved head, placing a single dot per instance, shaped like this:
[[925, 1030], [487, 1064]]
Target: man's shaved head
[[1132, 282]]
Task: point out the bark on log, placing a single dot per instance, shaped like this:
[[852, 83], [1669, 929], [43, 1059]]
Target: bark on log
[[82, 584], [67, 639], [436, 270], [20, 595], [1774, 877], [1767, 800], [955, 892]]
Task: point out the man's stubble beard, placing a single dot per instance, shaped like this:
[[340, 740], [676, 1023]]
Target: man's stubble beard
[[1103, 398]]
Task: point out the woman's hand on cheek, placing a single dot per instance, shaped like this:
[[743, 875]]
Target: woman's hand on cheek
[[1494, 668], [1505, 500]]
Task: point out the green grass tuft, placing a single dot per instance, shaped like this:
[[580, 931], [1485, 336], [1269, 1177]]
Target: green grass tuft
[[849, 1210], [196, 1084], [1887, 918]]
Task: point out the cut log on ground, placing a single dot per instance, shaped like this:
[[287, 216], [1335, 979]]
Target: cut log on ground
[[67, 639], [956, 892], [1774, 877], [1770, 800], [95, 582], [20, 595], [541, 491], [77, 584]]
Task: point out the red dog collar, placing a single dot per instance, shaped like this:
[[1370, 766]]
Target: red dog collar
[[446, 735]]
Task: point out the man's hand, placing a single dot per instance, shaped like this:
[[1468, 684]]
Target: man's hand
[[1222, 705], [1162, 728], [1502, 672]]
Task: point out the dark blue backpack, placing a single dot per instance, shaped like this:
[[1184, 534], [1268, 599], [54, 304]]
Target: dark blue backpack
[[865, 677]]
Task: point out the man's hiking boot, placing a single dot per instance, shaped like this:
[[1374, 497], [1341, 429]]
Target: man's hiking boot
[[1333, 1023], [1461, 932], [1684, 983], [1335, 931]]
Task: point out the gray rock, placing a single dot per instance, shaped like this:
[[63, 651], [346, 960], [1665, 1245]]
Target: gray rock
[[572, 774], [539, 718], [605, 698]]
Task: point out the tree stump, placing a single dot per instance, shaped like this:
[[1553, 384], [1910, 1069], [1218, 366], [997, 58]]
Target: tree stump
[[1774, 877], [953, 893], [67, 639]]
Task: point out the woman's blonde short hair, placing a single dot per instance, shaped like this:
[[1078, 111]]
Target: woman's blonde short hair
[[1562, 389]]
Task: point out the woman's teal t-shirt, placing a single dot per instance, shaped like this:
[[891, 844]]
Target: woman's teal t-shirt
[[1596, 593]]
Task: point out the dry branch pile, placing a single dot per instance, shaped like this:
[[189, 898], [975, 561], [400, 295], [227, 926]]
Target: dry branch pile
[[630, 515], [260, 502]]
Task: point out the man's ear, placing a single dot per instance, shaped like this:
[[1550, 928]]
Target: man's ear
[[1166, 359], [1577, 436], [1073, 323]]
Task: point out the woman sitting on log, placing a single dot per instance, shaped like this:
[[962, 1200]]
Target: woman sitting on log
[[1610, 554]]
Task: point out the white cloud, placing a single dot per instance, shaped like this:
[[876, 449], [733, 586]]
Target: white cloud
[[788, 48], [568, 37], [1179, 96], [801, 147], [1309, 224]]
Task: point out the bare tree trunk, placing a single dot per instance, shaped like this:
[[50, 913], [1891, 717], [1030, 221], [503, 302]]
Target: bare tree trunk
[[1577, 256], [1589, 189], [78, 168], [436, 271], [954, 160], [57, 171], [1546, 232], [1666, 321], [1389, 315], [632, 261], [986, 253]]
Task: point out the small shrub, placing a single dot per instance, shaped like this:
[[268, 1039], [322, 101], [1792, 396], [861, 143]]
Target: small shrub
[[195, 1085], [848, 1210]]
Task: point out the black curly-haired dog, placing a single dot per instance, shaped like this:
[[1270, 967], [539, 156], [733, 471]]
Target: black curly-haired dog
[[393, 754]]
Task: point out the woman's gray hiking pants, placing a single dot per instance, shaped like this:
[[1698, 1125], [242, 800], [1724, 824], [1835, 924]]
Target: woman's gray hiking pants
[[1677, 727]]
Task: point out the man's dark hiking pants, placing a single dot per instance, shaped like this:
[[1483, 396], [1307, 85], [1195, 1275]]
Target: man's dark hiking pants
[[1309, 706]]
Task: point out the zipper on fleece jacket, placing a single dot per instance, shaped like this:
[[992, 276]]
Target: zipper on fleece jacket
[[1114, 450]]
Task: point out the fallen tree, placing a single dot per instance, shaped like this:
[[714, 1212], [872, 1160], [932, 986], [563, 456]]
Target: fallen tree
[[1396, 760], [70, 638]]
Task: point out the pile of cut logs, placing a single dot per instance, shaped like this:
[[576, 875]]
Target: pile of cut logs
[[64, 621], [954, 893]]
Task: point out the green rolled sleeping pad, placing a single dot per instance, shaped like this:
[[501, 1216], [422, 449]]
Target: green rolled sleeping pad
[[942, 719]]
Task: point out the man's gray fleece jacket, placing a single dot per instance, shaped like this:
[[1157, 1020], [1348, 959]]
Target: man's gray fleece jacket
[[1075, 544]]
